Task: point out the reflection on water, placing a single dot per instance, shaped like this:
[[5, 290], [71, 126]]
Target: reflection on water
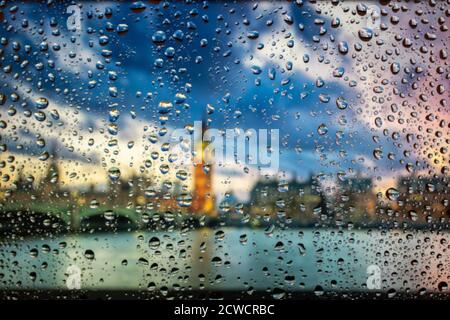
[[230, 258]]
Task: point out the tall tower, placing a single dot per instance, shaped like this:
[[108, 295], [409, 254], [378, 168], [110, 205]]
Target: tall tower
[[203, 201]]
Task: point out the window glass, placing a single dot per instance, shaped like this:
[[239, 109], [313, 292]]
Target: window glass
[[224, 149]]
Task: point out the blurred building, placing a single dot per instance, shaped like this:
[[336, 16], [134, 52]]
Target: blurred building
[[355, 200], [423, 199], [300, 201]]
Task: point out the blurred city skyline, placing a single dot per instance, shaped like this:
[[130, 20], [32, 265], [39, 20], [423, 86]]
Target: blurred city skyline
[[104, 85]]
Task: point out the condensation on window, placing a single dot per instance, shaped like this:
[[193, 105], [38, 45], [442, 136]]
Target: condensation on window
[[247, 149]]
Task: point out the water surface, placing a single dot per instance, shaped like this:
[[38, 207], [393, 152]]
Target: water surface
[[231, 259]]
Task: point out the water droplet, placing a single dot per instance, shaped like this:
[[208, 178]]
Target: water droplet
[[378, 153], [154, 243], [443, 286], [109, 215], [272, 73], [318, 291], [378, 122], [395, 67], [341, 103], [338, 72], [392, 194], [41, 103], [89, 254], [343, 47], [138, 7], [278, 293], [165, 107], [256, 70], [122, 28], [94, 204], [114, 173], [322, 129], [159, 37], [365, 34], [253, 34], [301, 249]]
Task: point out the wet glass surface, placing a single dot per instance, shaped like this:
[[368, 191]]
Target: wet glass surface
[[260, 148], [232, 259]]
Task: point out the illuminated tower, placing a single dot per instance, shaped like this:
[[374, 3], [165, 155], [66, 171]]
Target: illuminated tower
[[203, 201]]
